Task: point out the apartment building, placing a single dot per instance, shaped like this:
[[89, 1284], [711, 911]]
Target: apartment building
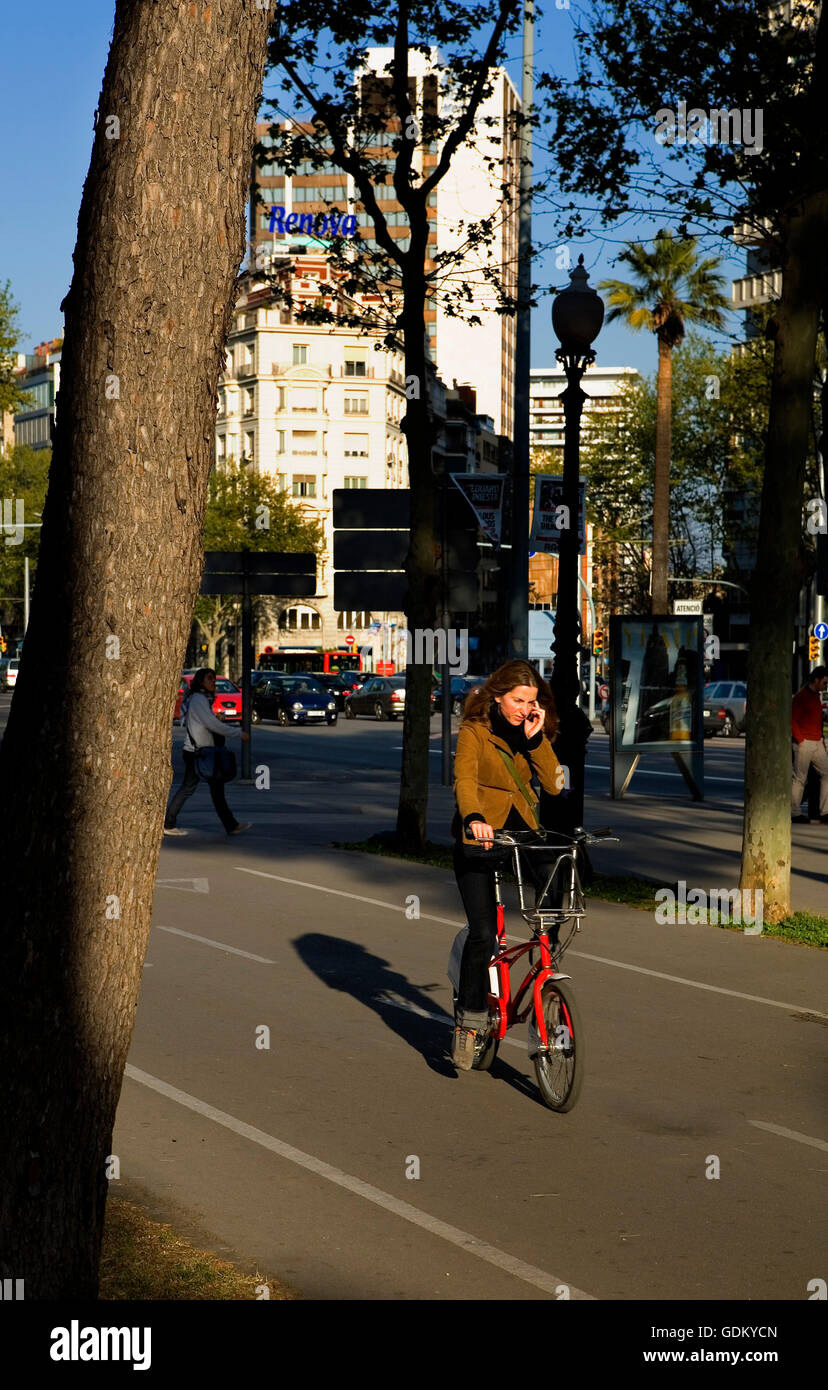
[[603, 387], [317, 408], [39, 375], [469, 191]]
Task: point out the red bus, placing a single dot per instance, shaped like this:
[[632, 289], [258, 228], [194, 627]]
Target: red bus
[[292, 659]]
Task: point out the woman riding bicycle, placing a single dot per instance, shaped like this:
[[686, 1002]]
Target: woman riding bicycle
[[504, 740]]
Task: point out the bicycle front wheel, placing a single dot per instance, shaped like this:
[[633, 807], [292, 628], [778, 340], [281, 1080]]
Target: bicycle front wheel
[[560, 1070]]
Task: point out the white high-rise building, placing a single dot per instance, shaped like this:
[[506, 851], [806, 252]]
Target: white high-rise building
[[482, 355], [316, 408]]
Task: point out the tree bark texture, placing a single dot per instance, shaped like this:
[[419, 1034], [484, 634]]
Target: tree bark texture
[[661, 479], [766, 846], [85, 764]]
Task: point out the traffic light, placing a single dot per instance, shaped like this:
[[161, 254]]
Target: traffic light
[[813, 648], [598, 642]]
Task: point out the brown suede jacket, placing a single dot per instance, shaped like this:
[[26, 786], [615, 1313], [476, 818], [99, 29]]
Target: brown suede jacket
[[484, 784]]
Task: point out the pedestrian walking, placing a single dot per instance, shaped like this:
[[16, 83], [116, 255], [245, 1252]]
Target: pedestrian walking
[[503, 741], [809, 745], [204, 730]]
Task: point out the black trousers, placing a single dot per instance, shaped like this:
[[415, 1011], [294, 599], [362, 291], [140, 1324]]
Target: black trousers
[[474, 869], [186, 789]]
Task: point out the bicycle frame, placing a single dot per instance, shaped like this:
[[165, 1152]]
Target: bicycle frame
[[503, 1006]]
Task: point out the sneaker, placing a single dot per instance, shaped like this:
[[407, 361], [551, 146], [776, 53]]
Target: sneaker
[[462, 1049], [173, 830], [242, 825]]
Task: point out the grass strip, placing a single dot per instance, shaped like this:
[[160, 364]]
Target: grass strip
[[806, 928], [145, 1260]]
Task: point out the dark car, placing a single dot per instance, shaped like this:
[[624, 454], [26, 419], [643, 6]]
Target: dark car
[[382, 697], [460, 688], [298, 699], [724, 708], [341, 684]]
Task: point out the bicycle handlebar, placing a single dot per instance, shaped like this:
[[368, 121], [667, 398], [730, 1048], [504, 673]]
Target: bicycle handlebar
[[527, 839]]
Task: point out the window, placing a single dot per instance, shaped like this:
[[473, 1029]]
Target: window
[[248, 402], [356, 482], [353, 618], [304, 485], [335, 193], [357, 405], [302, 398], [305, 442], [298, 619], [356, 446], [300, 354], [248, 358], [220, 446], [249, 448], [280, 441], [281, 482], [355, 361]]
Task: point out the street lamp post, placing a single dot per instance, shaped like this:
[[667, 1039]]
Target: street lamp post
[[577, 316]]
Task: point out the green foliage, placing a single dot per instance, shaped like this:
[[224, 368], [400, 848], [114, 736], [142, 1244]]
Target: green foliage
[[670, 287], [11, 396], [246, 511], [720, 415], [24, 474]]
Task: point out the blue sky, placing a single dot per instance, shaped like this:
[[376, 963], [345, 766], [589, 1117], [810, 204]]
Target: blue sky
[[51, 66]]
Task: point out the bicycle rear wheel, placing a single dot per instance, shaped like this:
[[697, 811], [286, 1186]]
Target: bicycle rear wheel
[[560, 1071]]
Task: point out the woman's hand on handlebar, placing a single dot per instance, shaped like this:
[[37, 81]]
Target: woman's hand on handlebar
[[482, 832]]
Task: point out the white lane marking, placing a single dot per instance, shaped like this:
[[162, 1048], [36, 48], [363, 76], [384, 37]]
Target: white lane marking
[[384, 998], [197, 885], [601, 960], [698, 984], [538, 1278], [790, 1134], [219, 945], [648, 772], [340, 893]]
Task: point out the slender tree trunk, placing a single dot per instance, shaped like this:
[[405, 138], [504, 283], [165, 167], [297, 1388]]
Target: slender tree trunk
[[766, 848], [85, 764], [423, 579], [661, 480]]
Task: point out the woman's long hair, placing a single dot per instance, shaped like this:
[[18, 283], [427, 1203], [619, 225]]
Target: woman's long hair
[[513, 673], [197, 682]]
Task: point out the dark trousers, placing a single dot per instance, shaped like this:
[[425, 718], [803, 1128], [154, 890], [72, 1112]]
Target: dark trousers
[[474, 869], [188, 786]]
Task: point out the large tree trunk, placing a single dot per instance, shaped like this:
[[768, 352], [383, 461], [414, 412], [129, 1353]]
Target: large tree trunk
[[766, 848], [423, 580], [661, 479], [85, 765]]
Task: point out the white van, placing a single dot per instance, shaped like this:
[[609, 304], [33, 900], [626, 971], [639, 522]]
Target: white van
[[12, 666]]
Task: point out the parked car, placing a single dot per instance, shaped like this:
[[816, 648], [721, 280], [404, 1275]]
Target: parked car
[[341, 684], [383, 697], [724, 708], [460, 687], [294, 699], [9, 668], [227, 703]]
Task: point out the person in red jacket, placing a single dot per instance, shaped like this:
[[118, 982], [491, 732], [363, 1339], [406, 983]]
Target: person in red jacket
[[809, 747]]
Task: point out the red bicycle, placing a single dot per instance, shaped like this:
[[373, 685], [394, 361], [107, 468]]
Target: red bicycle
[[544, 1000]]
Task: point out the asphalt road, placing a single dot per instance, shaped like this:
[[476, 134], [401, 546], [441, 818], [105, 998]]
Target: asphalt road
[[346, 1156]]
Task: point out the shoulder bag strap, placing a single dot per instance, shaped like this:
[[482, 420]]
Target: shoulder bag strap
[[520, 784]]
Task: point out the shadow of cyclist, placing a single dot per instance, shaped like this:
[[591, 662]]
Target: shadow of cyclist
[[346, 966]]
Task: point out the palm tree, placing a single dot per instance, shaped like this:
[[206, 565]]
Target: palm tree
[[671, 288]]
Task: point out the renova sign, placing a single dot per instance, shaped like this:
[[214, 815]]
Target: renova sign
[[313, 223]]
